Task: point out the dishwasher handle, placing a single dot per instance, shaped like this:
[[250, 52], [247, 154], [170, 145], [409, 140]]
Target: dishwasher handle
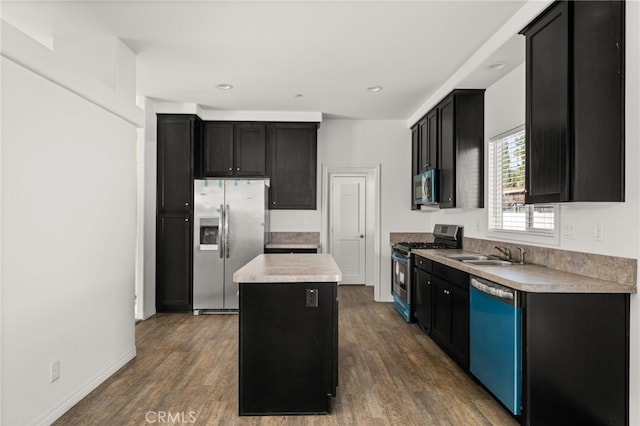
[[493, 289]]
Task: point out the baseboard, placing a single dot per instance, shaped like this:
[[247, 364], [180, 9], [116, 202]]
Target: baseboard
[[84, 390], [148, 314]]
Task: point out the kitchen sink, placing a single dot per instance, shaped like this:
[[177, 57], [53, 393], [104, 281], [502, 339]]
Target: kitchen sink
[[467, 257], [480, 259], [488, 262]]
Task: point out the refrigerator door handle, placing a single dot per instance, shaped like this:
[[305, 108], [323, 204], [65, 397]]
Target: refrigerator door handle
[[226, 231], [221, 232]]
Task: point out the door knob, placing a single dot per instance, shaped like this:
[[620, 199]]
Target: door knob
[[361, 236]]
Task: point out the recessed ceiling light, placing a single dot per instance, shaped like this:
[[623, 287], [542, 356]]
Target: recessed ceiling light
[[298, 95], [374, 89], [495, 66], [224, 86]]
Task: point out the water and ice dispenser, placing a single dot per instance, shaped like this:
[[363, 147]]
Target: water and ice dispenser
[[209, 233]]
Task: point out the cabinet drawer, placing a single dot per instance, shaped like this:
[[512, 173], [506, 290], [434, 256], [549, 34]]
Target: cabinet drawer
[[454, 276], [422, 263]]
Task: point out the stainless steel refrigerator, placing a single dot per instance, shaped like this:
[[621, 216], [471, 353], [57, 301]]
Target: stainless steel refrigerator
[[231, 227]]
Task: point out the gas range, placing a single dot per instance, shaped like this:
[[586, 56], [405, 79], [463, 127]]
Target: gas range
[[445, 237]]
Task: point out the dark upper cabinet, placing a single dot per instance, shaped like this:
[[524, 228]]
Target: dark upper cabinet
[[177, 135], [173, 262], [249, 149], [424, 139], [217, 149], [292, 165], [415, 150], [233, 149], [460, 118], [575, 103], [429, 143]]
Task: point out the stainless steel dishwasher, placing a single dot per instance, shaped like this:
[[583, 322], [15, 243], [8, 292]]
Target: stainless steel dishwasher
[[495, 340]]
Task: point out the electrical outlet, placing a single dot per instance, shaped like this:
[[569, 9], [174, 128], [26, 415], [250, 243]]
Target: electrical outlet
[[55, 372], [301, 223], [477, 224], [598, 232], [312, 298], [569, 232]]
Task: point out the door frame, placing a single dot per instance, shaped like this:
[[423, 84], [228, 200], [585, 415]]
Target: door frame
[[372, 215]]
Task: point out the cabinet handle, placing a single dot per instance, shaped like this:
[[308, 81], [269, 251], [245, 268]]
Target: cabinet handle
[[186, 220], [237, 168], [186, 204], [450, 198], [230, 169]]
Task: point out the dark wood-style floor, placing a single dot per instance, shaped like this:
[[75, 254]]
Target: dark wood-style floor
[[390, 373]]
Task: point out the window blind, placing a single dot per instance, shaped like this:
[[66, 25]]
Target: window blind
[[507, 209]]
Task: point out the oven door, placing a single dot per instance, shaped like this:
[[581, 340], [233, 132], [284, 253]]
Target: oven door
[[401, 277]]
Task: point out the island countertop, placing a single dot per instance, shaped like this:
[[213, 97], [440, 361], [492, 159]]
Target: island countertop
[[293, 268]]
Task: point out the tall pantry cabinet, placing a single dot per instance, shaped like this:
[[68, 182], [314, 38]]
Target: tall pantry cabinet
[[178, 134]]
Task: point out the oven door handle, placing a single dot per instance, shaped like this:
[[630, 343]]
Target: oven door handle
[[399, 258]]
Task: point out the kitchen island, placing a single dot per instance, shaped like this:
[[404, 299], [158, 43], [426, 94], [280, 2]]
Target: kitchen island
[[288, 342]]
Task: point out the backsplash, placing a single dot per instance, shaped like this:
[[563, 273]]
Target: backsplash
[[610, 268]]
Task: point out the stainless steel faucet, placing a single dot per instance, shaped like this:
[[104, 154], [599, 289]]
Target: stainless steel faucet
[[522, 252], [505, 251]]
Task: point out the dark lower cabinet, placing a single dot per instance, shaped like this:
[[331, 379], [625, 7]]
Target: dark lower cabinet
[[288, 349], [174, 262], [576, 359], [450, 327], [423, 294]]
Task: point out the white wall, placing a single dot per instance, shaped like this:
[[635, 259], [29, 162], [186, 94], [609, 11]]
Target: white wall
[[147, 254], [370, 142], [68, 238]]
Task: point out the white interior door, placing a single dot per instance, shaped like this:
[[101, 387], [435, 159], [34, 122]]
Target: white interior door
[[347, 226]]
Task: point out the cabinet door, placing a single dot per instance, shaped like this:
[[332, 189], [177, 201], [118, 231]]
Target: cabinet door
[[173, 263], [415, 151], [423, 299], [175, 162], [447, 148], [423, 146], [249, 149], [217, 149], [293, 166], [441, 327], [547, 90], [432, 140], [460, 324]]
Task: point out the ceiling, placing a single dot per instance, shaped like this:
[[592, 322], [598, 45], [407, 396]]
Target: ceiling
[[328, 52]]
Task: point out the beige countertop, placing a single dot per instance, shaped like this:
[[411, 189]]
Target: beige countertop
[[292, 245], [530, 278], [289, 268]]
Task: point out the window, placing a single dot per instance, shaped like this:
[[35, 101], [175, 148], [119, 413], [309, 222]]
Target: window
[[507, 211]]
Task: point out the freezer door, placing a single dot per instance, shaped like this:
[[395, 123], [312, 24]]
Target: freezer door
[[208, 262], [246, 229]]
